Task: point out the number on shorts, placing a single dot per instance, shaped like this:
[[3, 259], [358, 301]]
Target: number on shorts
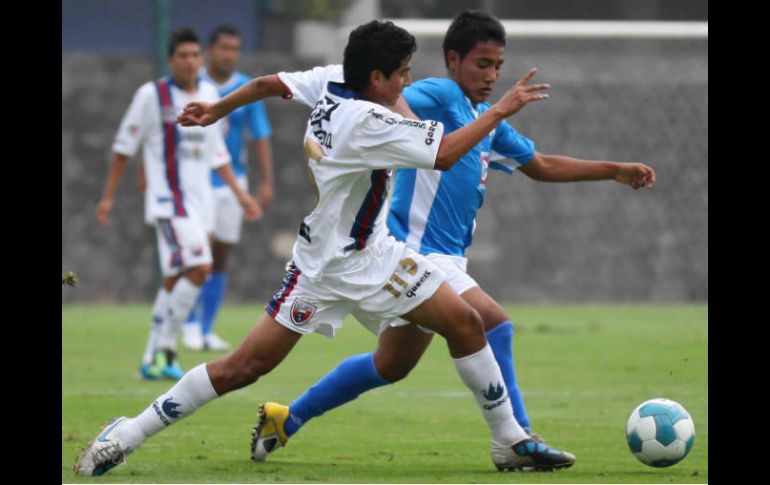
[[410, 266]]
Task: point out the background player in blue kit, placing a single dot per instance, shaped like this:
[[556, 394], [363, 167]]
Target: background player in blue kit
[[248, 122], [434, 212]]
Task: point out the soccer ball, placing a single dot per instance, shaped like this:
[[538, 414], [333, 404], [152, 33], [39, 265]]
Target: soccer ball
[[660, 432]]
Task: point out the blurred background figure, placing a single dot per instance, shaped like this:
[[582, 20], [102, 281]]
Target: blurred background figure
[[178, 197], [224, 49]]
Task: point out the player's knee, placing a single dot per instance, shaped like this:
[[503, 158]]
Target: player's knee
[[198, 274], [468, 323], [392, 368]]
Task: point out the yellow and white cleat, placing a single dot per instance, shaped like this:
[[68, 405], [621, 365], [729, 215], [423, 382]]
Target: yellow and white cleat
[[268, 435]]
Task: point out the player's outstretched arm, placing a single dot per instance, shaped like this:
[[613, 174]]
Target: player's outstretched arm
[[117, 167], [557, 168], [199, 113], [458, 143]]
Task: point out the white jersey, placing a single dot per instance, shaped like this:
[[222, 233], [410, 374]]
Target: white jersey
[[177, 161], [351, 145]]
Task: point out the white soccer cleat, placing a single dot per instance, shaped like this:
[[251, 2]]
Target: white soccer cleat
[[213, 341], [192, 336], [530, 455], [104, 452]]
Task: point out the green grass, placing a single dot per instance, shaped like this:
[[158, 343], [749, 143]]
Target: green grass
[[582, 369]]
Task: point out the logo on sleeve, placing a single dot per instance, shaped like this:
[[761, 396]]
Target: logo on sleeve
[[431, 133]]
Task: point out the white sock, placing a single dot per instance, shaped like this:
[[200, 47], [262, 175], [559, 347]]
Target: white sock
[[482, 375], [159, 318], [180, 303], [192, 391]]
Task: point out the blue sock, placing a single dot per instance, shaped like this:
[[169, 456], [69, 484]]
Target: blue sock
[[353, 376], [211, 297], [501, 340]]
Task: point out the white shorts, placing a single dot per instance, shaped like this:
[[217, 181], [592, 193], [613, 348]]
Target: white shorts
[[228, 213], [182, 244], [456, 270], [305, 306]]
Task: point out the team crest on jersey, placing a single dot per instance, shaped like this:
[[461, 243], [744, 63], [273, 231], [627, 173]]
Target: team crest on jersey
[[301, 311], [197, 250]]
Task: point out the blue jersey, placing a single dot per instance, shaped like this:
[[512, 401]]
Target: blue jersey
[[434, 211], [253, 116]]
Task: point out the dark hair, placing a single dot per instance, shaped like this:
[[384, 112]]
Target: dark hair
[[222, 30], [180, 36], [468, 29], [375, 46]]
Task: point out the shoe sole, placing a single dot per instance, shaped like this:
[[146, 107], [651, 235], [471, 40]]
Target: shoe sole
[[535, 468], [255, 431], [88, 445]]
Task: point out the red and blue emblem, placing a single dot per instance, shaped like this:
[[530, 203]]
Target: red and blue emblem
[[301, 311]]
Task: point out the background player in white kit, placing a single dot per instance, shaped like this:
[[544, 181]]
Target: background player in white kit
[[223, 51], [178, 197], [344, 260]]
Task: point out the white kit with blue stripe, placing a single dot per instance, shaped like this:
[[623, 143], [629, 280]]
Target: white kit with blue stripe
[[434, 212]]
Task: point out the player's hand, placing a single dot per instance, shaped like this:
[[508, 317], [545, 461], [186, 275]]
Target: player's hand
[[637, 175], [265, 194], [253, 211], [103, 212], [199, 113], [521, 93]]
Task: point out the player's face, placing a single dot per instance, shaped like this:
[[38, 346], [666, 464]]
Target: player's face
[[186, 61], [392, 87], [223, 55], [478, 71]]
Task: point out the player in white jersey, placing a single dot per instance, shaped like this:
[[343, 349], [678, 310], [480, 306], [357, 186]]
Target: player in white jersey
[[178, 196], [223, 52], [344, 260]]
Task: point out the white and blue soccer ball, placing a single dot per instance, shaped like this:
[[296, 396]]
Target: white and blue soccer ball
[[660, 432]]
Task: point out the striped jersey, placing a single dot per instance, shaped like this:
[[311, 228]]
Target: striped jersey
[[177, 159]]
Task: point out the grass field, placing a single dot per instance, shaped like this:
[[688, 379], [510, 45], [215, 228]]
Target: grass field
[[582, 370]]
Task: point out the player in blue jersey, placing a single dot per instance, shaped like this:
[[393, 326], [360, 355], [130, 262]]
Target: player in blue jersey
[[247, 122], [434, 212]]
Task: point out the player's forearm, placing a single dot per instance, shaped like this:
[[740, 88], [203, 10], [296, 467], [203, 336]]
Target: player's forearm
[[264, 152], [258, 88], [225, 172], [117, 167], [460, 142], [557, 168]]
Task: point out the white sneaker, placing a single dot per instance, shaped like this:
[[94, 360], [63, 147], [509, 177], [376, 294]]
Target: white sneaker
[[212, 341], [530, 454], [192, 336], [104, 452]]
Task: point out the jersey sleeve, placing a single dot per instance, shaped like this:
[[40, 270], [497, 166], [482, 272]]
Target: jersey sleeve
[[429, 98], [388, 140], [510, 149], [259, 124], [306, 86], [136, 122]]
